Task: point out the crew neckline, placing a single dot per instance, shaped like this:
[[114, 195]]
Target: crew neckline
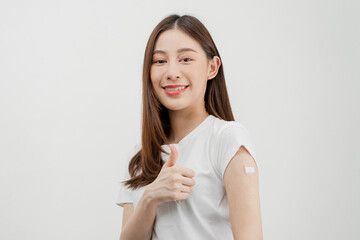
[[195, 130]]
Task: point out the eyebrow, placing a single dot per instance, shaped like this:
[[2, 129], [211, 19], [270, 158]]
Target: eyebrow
[[179, 50]]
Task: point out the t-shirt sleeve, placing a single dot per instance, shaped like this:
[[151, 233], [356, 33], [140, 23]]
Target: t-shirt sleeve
[[230, 139], [125, 193]]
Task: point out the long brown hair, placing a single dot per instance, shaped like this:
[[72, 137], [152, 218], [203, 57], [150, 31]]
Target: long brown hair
[[146, 164]]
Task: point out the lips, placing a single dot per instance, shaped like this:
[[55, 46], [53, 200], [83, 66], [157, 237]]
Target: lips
[[174, 86], [175, 91]]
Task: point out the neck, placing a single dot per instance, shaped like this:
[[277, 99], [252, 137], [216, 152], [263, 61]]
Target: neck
[[183, 123]]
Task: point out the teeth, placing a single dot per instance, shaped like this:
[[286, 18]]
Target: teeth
[[175, 89]]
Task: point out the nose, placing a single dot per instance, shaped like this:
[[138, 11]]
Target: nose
[[173, 72]]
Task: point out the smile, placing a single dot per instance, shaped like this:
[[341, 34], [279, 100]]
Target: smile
[[175, 91]]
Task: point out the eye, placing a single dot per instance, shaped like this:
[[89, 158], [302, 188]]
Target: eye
[[162, 61], [158, 61], [187, 58]]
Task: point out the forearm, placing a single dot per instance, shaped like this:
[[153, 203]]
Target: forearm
[[141, 222]]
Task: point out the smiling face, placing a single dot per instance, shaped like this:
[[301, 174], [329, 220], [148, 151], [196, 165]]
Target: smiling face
[[178, 59]]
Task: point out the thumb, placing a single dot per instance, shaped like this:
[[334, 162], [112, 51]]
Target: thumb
[[173, 157]]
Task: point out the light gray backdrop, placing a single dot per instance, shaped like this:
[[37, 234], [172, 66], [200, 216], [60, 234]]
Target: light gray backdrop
[[70, 110]]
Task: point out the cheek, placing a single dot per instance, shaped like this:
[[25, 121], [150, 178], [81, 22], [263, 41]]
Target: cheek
[[198, 79], [155, 75], [196, 71]]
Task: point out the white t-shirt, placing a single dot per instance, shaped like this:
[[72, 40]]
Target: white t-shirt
[[207, 150]]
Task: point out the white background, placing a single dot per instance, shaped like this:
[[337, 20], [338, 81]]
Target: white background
[[70, 110]]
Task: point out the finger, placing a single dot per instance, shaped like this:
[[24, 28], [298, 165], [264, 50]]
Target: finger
[[183, 195], [172, 158], [187, 181], [185, 189], [187, 172], [173, 155]]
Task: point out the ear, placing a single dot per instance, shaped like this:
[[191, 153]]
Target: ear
[[213, 67]]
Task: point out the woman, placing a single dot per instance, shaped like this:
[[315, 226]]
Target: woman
[[194, 175]]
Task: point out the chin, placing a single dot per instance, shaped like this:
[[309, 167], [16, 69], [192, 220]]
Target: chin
[[174, 107]]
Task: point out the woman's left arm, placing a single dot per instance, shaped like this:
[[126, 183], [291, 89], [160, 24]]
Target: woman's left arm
[[242, 190]]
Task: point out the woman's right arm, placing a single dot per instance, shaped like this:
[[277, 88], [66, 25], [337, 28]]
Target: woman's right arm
[[139, 225], [173, 183]]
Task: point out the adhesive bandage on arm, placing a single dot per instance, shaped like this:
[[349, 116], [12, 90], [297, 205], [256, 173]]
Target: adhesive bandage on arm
[[249, 170]]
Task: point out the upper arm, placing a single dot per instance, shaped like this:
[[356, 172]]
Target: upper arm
[[242, 190], [128, 210]]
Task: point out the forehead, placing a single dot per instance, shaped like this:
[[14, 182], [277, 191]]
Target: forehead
[[172, 40]]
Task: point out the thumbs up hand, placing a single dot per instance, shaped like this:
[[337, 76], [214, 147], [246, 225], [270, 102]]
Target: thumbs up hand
[[173, 182]]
